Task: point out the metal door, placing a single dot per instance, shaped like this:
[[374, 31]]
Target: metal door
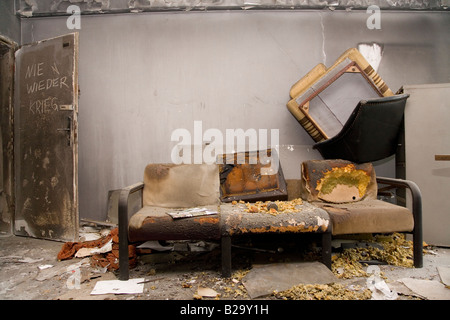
[[46, 147]]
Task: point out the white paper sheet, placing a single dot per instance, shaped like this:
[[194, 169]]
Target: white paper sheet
[[131, 286]]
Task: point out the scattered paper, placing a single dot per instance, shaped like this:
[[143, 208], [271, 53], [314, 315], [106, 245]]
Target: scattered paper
[[83, 263], [428, 289], [85, 252], [45, 266], [155, 245], [132, 286], [189, 213], [90, 237], [444, 274], [48, 273], [74, 280], [380, 290], [207, 292]]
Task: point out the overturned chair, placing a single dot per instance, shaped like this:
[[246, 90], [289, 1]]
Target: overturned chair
[[371, 133], [324, 98], [348, 192], [147, 211]]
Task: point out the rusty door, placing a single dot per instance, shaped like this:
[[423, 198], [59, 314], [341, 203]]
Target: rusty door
[[46, 147]]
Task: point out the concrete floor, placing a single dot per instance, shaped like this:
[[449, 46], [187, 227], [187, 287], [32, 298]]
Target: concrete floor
[[29, 270]]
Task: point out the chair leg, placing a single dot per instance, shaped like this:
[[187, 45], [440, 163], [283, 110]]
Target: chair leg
[[418, 248], [124, 263], [226, 256], [326, 249]]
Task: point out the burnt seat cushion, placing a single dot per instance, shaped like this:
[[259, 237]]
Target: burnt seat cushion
[[337, 181], [235, 220], [368, 216], [154, 223], [170, 187], [347, 191]]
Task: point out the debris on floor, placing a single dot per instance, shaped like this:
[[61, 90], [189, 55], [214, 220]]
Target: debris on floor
[[206, 292], [30, 270], [334, 291], [396, 251], [264, 279], [104, 251], [379, 288]]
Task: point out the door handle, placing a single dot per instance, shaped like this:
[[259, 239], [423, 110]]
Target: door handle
[[442, 157], [68, 130]]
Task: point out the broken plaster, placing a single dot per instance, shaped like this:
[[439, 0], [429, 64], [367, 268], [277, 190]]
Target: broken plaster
[[324, 55], [30, 8]]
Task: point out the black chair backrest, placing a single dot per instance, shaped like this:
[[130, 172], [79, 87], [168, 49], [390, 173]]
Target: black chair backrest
[[370, 133]]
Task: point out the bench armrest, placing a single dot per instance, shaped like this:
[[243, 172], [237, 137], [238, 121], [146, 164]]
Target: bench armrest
[[124, 214], [413, 188], [416, 211]]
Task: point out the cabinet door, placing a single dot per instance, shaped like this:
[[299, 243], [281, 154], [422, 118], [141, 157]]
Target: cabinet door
[[427, 145], [46, 106]]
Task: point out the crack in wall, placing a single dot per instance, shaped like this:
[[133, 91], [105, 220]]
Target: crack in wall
[[324, 55]]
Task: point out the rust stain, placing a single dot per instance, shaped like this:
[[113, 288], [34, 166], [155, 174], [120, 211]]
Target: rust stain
[[149, 220], [211, 220]]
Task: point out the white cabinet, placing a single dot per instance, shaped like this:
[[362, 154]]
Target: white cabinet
[[427, 156]]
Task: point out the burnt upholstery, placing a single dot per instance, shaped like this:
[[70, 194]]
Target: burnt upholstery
[[144, 213], [181, 186], [371, 132], [169, 187], [347, 191]]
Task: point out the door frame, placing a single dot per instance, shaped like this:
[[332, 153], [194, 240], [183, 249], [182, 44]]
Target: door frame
[[7, 166]]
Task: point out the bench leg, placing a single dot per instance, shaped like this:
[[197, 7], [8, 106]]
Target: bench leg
[[418, 249], [226, 256], [326, 249], [124, 264]]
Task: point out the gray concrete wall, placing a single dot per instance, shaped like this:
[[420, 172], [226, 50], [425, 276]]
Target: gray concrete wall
[[143, 76], [9, 22]]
